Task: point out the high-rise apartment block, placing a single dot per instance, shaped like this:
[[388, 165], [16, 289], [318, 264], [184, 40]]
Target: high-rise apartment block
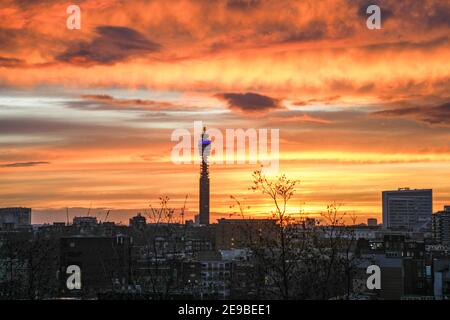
[[408, 209]]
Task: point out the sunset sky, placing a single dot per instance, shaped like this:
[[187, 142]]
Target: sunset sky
[[86, 115]]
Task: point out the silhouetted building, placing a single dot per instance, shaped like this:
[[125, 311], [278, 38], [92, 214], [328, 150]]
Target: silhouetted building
[[372, 222], [84, 221], [408, 209], [245, 281], [441, 283], [241, 233], [13, 218], [104, 263], [204, 149], [403, 265], [215, 275], [138, 222], [441, 226], [392, 277], [85, 225]]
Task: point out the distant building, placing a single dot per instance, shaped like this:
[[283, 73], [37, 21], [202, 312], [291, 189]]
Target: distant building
[[13, 218], [85, 225], [215, 275], [403, 264], [408, 209], [104, 263], [441, 226], [441, 284], [392, 277], [372, 222], [240, 233], [350, 232], [138, 222], [244, 281], [85, 221]]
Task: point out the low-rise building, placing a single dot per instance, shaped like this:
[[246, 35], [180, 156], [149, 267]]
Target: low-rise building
[[13, 218]]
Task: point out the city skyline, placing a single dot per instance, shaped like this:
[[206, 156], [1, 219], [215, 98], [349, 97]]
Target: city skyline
[[182, 215], [86, 115]]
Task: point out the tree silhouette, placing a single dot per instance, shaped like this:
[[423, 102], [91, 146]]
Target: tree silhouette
[[298, 257]]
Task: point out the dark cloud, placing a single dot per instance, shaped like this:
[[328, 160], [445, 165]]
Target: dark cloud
[[326, 100], [439, 16], [74, 135], [24, 4], [407, 45], [10, 38], [32, 126], [99, 97], [317, 29], [112, 44], [10, 62], [250, 102], [437, 115], [243, 4], [314, 30], [397, 112], [347, 86], [123, 102], [107, 102], [23, 164], [416, 12]]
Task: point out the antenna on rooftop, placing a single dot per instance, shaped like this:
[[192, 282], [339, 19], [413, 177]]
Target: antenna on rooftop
[[89, 211]]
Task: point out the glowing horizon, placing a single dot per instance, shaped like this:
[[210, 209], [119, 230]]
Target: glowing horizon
[[86, 115]]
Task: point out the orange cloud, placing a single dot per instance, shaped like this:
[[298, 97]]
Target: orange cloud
[[358, 110]]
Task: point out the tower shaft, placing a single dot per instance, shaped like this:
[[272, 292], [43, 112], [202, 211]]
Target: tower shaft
[[204, 181]]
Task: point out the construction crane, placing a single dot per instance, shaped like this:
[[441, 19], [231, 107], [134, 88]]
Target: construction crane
[[106, 217], [89, 211]]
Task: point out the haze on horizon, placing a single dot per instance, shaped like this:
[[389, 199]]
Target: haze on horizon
[[86, 115]]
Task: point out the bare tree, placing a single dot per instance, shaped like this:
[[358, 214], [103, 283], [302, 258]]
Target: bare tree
[[299, 258], [162, 244]]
